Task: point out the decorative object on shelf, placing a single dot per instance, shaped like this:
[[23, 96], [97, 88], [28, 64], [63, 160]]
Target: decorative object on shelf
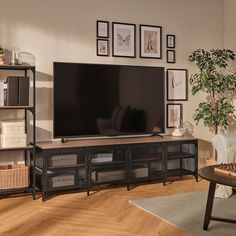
[[187, 128], [170, 56], [177, 86], [217, 109], [102, 29], [170, 41], [150, 41], [26, 58], [1, 55], [174, 115], [177, 130], [123, 40], [102, 47], [15, 56]]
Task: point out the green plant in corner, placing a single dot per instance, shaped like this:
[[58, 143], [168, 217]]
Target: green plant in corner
[[216, 110]]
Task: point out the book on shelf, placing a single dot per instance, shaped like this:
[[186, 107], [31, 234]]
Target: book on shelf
[[15, 91], [3, 86]]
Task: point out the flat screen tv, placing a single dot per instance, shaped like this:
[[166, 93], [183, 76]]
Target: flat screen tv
[[107, 100]]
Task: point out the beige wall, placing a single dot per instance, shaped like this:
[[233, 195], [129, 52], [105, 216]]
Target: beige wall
[[65, 30], [229, 24]]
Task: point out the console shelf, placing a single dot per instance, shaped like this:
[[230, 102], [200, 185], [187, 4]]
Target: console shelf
[[127, 161]]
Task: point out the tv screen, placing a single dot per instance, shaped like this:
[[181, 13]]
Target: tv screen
[[107, 100]]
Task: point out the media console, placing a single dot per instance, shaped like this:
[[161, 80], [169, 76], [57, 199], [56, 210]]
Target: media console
[[82, 164]]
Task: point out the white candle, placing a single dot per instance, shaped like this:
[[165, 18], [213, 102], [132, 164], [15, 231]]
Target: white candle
[[13, 58]]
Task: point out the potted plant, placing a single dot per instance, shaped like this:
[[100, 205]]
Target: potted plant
[[213, 80]]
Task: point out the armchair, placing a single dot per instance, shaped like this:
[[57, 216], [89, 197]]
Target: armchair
[[225, 145]]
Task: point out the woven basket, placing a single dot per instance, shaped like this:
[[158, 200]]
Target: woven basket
[[14, 176]]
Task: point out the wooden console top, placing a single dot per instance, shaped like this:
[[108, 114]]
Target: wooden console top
[[111, 141]]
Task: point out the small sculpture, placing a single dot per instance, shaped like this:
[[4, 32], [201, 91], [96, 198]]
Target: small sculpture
[[177, 131]]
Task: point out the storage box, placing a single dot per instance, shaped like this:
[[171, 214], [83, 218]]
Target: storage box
[[63, 160], [62, 180], [13, 141], [102, 157], [12, 127], [104, 176], [140, 172], [14, 176]]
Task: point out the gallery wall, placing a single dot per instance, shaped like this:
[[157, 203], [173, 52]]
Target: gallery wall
[[59, 30]]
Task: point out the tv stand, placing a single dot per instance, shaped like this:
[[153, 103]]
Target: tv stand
[[84, 164], [156, 134]]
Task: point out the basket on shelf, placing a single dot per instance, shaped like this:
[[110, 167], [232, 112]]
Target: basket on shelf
[[14, 176]]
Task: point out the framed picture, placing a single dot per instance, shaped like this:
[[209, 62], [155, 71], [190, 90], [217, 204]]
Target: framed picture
[[150, 41], [170, 41], [102, 47], [123, 40], [177, 85], [102, 29], [174, 114], [170, 56]]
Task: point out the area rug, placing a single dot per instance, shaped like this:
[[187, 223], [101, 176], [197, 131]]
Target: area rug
[[187, 210]]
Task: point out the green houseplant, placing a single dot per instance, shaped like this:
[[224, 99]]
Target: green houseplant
[[216, 110]]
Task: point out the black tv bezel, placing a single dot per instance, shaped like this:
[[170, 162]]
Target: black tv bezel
[[97, 136]]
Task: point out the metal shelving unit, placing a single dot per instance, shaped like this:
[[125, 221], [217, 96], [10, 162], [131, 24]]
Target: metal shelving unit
[[32, 147]]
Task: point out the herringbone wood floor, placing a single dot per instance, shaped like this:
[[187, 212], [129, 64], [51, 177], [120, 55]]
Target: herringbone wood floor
[[106, 212]]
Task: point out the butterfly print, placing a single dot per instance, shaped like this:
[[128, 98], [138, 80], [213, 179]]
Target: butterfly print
[[123, 41]]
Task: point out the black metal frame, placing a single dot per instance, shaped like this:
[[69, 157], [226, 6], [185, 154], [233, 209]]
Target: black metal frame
[[167, 40], [105, 22], [124, 159], [141, 41], [167, 113], [168, 59], [134, 41], [107, 45], [32, 109]]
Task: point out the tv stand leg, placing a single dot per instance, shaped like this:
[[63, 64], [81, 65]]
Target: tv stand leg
[[64, 140]]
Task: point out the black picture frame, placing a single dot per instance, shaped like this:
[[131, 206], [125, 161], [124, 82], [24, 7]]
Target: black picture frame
[[102, 29], [170, 41], [103, 47], [123, 40], [170, 56], [174, 114], [150, 41], [177, 84]]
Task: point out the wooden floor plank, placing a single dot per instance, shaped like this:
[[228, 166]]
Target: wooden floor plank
[[105, 212]]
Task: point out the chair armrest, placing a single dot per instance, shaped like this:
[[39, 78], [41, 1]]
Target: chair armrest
[[221, 142]]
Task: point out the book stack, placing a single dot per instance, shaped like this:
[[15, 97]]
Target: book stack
[[15, 91]]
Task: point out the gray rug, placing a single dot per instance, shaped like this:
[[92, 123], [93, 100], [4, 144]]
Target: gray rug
[[187, 210]]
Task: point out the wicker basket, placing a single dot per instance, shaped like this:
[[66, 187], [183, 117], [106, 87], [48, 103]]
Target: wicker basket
[[14, 176]]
